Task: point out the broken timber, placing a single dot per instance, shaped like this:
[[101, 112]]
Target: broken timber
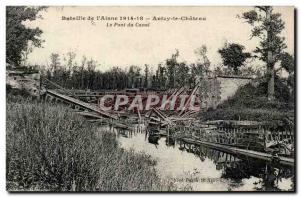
[[58, 86], [81, 104], [164, 118], [233, 150], [189, 99], [139, 115], [89, 114]]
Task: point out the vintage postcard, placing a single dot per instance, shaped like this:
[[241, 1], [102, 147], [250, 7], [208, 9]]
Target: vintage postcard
[[150, 99]]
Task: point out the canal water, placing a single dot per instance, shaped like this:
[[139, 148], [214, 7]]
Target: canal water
[[203, 169]]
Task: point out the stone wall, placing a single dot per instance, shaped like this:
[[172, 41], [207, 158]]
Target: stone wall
[[214, 90], [25, 81]]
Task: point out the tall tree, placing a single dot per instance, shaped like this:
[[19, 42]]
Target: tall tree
[[267, 26], [18, 35], [182, 74], [146, 76], [54, 62], [91, 66], [171, 69], [203, 62], [134, 76], [161, 75], [70, 60], [81, 70], [233, 56]]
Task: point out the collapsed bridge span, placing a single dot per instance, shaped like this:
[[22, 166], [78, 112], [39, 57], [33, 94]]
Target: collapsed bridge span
[[80, 103]]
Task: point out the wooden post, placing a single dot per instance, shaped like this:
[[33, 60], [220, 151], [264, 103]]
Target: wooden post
[[234, 133], [265, 138]]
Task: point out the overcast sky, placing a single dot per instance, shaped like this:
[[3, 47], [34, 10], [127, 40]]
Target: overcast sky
[[119, 46]]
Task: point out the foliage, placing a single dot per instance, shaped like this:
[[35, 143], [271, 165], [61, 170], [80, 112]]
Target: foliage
[[65, 71], [268, 29], [182, 74], [171, 65], [274, 119], [254, 96], [146, 76], [267, 26], [233, 56], [203, 62], [48, 148], [288, 63], [250, 103], [18, 35], [160, 80]]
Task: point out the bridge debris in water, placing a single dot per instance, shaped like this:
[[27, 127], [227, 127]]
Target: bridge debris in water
[[239, 137]]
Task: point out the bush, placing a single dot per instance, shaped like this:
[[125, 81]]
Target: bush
[[251, 103], [249, 96]]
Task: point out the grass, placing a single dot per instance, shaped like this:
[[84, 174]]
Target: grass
[[251, 103], [48, 148]]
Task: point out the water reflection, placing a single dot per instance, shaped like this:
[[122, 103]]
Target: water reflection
[[153, 139], [206, 169]]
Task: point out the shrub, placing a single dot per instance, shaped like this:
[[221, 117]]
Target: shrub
[[251, 103]]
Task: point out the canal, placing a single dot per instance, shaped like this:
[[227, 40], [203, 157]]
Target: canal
[[205, 169]]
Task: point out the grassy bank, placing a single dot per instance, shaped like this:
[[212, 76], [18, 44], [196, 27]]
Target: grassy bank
[[50, 149], [251, 103]]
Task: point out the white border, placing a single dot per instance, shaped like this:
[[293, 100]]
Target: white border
[[3, 3]]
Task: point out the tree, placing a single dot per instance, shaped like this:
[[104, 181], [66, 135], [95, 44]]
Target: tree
[[18, 35], [70, 60], [146, 75], [203, 62], [54, 62], [134, 76], [182, 74], [161, 76], [233, 56], [267, 26], [91, 66], [171, 69], [154, 82], [26, 52], [288, 63], [82, 67]]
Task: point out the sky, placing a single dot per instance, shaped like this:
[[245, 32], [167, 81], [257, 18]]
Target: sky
[[124, 46]]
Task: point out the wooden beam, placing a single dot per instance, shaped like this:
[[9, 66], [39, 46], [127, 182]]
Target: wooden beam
[[233, 150], [81, 104], [189, 99]]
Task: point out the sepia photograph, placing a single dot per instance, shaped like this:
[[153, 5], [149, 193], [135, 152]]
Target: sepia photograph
[[150, 99]]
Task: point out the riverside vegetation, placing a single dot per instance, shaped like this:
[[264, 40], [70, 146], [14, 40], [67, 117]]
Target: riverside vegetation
[[49, 148]]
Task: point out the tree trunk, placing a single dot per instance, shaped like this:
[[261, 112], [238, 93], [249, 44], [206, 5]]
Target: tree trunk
[[236, 70], [270, 61], [271, 83]]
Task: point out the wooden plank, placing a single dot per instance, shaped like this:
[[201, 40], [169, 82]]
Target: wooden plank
[[139, 114], [58, 86], [250, 153], [189, 99], [89, 114], [81, 104], [159, 113], [174, 94], [163, 117], [122, 126]]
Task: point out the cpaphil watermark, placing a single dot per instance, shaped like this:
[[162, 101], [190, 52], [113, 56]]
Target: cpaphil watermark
[[139, 102]]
